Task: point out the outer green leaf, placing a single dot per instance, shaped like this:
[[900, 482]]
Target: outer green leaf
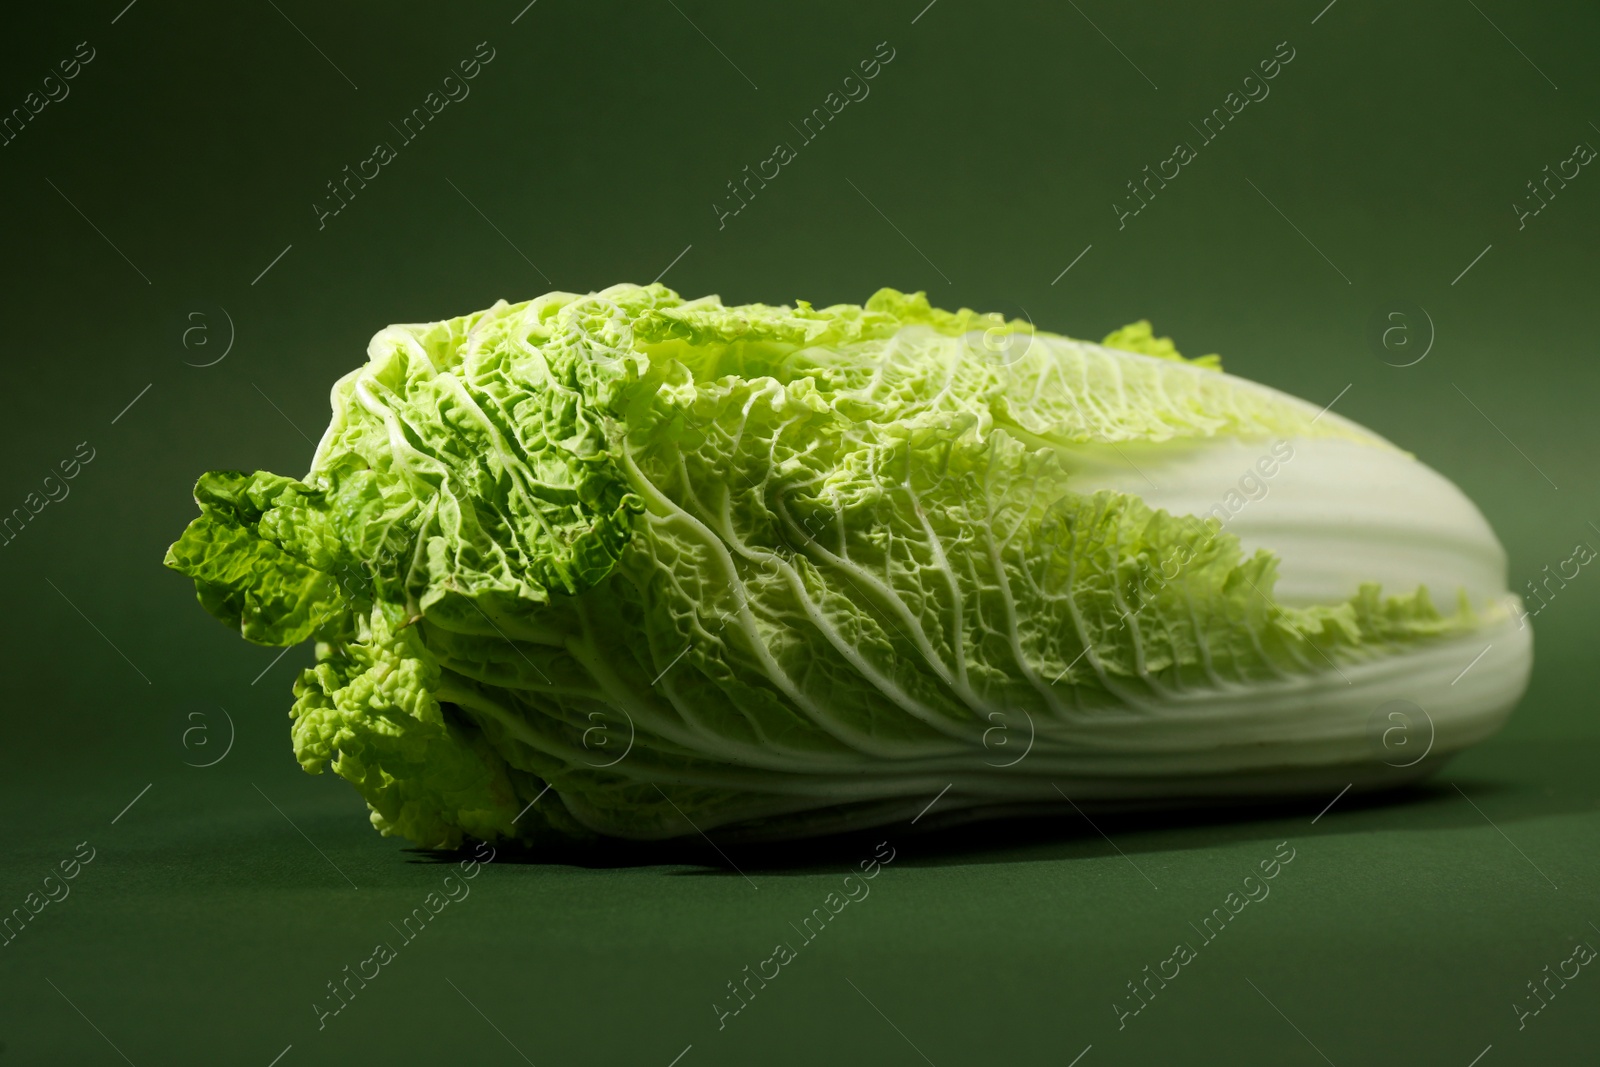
[[667, 565]]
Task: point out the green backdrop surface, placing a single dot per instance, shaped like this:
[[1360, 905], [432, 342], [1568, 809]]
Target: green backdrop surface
[[181, 295]]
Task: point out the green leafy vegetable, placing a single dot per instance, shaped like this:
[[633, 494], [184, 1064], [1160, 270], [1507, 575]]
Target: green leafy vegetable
[[665, 565]]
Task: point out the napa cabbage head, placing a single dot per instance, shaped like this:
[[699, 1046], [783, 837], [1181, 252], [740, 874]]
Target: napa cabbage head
[[622, 564]]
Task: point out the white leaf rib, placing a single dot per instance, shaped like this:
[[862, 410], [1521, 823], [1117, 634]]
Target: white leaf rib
[[847, 649], [670, 512]]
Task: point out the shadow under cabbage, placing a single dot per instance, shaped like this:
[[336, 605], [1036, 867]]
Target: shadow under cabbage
[[1520, 784]]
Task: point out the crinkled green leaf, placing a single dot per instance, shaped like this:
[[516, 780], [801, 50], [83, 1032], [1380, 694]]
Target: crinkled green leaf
[[262, 555], [1140, 337], [666, 565]]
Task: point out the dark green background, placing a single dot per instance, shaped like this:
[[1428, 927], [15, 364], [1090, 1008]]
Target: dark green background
[[596, 141]]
